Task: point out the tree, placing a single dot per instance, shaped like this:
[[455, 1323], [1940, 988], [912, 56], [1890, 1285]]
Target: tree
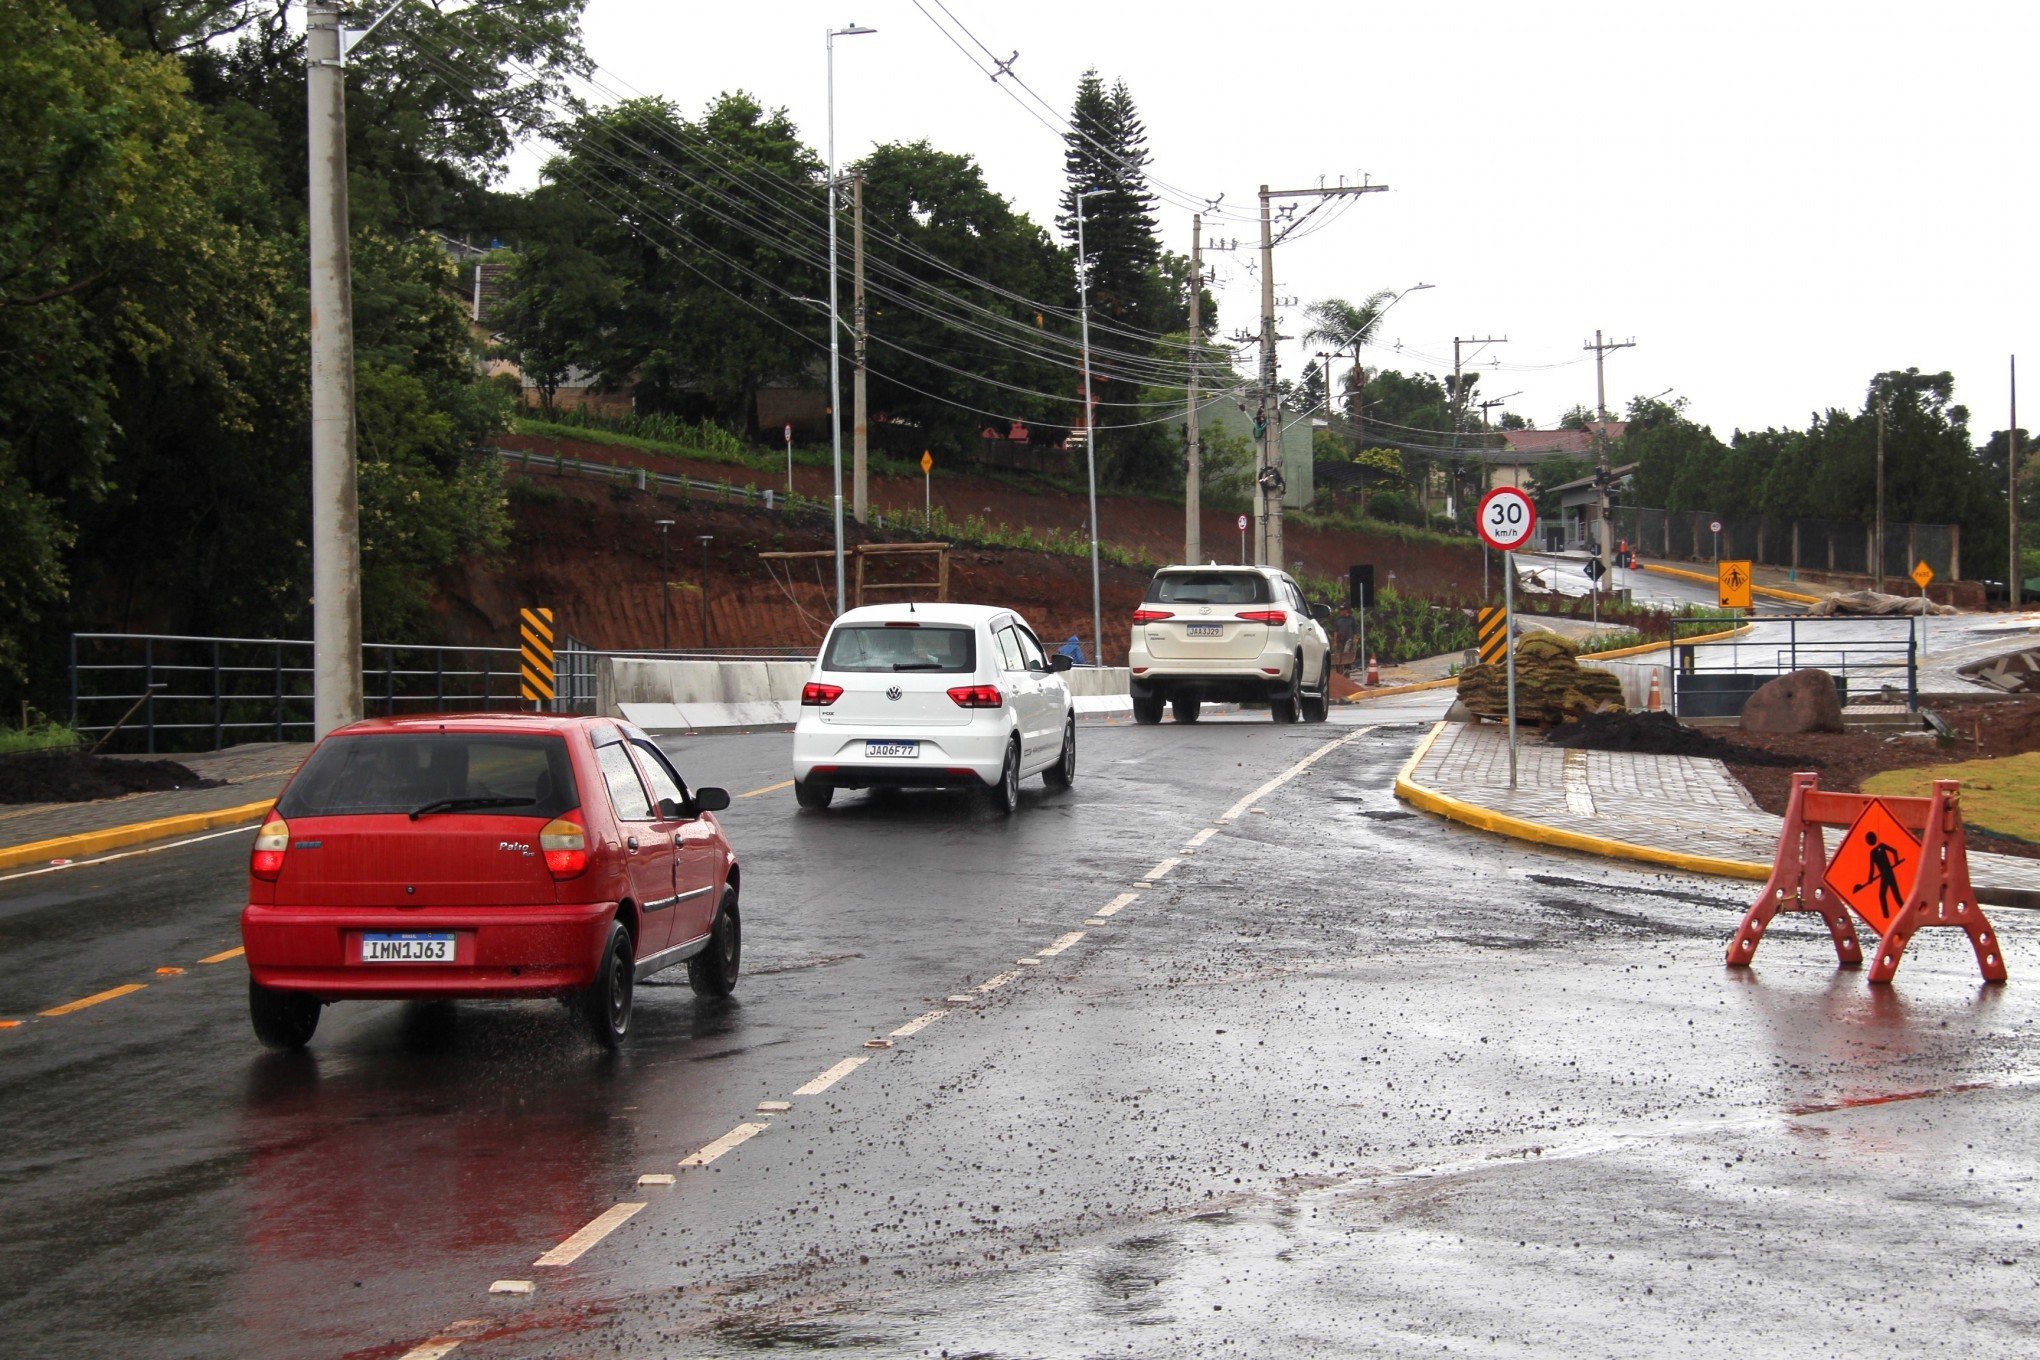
[[1336, 325]]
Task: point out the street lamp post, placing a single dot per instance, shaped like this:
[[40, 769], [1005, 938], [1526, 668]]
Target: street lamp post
[[706, 639], [835, 320], [1090, 430], [665, 588]]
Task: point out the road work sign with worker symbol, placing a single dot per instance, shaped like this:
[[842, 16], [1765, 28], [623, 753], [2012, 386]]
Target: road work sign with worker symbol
[[1875, 865]]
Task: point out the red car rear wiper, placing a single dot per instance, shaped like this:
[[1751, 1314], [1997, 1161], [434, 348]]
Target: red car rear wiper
[[468, 804]]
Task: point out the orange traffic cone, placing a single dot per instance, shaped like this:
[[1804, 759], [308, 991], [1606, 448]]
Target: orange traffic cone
[[1656, 700], [1373, 670]]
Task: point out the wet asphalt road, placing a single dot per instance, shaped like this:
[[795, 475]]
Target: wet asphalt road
[[1341, 1080]]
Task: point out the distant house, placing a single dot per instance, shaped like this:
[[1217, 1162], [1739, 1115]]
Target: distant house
[[1579, 509]]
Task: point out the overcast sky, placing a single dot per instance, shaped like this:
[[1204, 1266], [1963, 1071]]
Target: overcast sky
[[1776, 200]]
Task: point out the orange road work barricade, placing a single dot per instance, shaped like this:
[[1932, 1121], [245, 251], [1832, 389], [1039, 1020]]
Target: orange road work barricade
[[1902, 865]]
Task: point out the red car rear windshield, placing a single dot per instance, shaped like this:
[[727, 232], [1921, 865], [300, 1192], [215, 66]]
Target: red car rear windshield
[[495, 774]]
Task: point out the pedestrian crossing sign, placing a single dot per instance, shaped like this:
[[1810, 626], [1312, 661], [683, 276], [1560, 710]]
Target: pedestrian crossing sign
[[1734, 582], [1875, 865]]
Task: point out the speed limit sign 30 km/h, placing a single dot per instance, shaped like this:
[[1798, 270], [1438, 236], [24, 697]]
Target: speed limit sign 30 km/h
[[1507, 518]]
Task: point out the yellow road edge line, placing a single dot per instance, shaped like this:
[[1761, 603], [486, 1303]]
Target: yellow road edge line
[[1773, 591], [742, 1133], [1518, 828], [597, 1228], [829, 1078], [225, 954], [769, 788], [110, 994], [114, 837]]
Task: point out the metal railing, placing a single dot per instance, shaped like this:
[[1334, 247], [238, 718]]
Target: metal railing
[[1864, 654], [1839, 546], [160, 691]]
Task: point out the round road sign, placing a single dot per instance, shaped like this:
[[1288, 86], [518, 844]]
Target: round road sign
[[1714, 526], [1243, 523], [1507, 517]]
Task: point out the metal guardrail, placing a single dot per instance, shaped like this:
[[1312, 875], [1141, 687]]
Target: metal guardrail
[[620, 474], [161, 691], [1851, 649]]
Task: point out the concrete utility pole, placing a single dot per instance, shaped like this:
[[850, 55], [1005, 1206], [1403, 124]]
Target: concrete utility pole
[[1090, 430], [1878, 538], [836, 316], [1604, 474], [860, 430], [2012, 581], [1268, 472], [336, 507], [1479, 342], [1193, 537]]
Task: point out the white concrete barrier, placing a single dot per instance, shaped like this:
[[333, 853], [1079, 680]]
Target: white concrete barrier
[[662, 694]]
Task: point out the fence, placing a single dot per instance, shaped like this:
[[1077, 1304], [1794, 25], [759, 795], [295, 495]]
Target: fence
[[1715, 679], [1800, 544]]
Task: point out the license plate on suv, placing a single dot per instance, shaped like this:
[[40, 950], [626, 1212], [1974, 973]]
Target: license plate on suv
[[407, 948], [1206, 629], [892, 750]]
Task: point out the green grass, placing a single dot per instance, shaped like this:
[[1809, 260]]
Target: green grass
[[704, 442], [44, 736], [1997, 795]]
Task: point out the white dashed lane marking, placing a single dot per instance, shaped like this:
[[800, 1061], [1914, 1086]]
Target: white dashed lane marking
[[1200, 838], [599, 1227], [1160, 869], [1062, 943], [917, 1024], [831, 1077], [1237, 810], [742, 1133], [431, 1350], [1117, 904]]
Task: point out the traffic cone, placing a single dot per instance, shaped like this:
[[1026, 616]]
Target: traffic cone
[[1656, 700], [1373, 670]]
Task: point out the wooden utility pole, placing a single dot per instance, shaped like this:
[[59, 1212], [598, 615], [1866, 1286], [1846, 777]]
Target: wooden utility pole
[[1268, 480], [1193, 539], [1459, 404], [860, 429]]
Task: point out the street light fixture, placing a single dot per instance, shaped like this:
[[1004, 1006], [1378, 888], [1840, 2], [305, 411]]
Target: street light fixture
[[1090, 430], [665, 588], [706, 640], [835, 319]]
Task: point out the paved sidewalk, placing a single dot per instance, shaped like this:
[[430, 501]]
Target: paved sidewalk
[[253, 772], [1678, 806]]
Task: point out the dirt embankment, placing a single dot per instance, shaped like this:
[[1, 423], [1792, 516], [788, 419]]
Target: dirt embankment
[[591, 553], [1131, 522]]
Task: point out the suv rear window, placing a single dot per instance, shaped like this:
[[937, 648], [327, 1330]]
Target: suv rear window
[[378, 772], [1208, 587], [911, 647]]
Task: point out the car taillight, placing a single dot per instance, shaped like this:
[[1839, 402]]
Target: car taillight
[[977, 696], [815, 694], [1274, 618], [565, 844], [270, 842], [1151, 615]]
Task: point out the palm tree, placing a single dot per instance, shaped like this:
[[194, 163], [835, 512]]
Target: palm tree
[[1337, 325]]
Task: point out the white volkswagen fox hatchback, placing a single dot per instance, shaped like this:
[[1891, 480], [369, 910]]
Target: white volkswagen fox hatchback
[[933, 696]]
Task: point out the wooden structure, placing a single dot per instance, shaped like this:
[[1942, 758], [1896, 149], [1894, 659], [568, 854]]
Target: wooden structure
[[934, 556]]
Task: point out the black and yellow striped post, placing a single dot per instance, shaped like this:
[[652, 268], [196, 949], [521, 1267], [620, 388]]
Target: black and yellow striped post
[[535, 640], [1492, 629]]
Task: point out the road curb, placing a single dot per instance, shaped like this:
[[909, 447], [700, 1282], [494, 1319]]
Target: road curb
[[1773, 591], [134, 833], [1617, 654], [1522, 829]]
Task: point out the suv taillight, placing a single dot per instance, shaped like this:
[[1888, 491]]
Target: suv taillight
[[1151, 615], [1274, 618], [977, 696], [565, 845], [815, 694], [270, 842]]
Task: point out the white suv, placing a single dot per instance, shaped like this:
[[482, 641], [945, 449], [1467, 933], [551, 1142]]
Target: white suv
[[932, 696], [1232, 634]]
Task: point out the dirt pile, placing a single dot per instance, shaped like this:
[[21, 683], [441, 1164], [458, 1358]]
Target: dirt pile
[[1655, 734], [1551, 685], [65, 777]]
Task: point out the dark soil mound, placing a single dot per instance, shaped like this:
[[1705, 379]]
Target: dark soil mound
[[70, 778], [1653, 734]]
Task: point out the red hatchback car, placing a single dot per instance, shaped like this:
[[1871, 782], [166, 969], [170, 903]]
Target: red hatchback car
[[486, 855]]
